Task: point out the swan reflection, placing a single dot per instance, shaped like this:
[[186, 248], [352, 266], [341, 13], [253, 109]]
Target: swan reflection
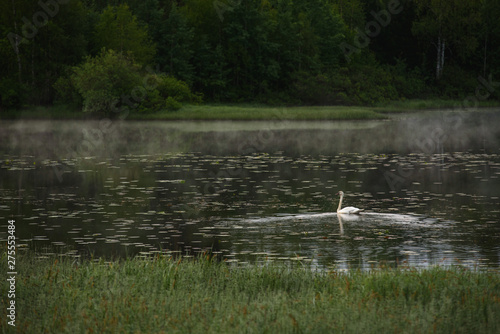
[[346, 218]]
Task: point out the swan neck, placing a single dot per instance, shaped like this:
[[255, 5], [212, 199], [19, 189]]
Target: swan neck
[[340, 202]]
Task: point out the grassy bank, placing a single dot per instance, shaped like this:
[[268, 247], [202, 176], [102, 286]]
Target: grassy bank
[[211, 112], [252, 112], [170, 296], [431, 104], [43, 112]]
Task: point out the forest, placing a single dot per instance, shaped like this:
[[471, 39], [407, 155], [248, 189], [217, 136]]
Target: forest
[[100, 56]]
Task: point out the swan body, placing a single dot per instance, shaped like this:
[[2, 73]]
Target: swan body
[[348, 209]]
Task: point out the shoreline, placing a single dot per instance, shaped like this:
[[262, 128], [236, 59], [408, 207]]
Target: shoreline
[[243, 112]]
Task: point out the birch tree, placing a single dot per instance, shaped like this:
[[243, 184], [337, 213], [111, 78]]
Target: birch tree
[[448, 25]]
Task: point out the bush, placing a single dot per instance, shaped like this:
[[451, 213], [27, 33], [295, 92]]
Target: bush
[[167, 92], [105, 82], [410, 83], [179, 90], [11, 94], [172, 104], [457, 83], [112, 82], [371, 85], [360, 84], [10, 99], [66, 91], [312, 89]]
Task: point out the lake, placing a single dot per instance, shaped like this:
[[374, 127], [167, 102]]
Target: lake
[[259, 191]]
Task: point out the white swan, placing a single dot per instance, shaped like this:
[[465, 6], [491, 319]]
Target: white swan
[[348, 209]]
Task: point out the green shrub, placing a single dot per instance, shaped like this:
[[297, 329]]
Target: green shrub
[[409, 83], [172, 104], [10, 99], [457, 83], [179, 90], [312, 89], [104, 81], [372, 84], [66, 91], [11, 94], [112, 82], [152, 102]]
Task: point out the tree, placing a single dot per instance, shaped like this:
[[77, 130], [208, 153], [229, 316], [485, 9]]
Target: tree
[[490, 35], [210, 67], [249, 52], [119, 30], [448, 23], [41, 39], [113, 82], [11, 66], [175, 45], [105, 82], [331, 32], [351, 12]]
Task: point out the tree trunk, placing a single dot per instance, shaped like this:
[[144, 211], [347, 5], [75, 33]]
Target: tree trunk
[[441, 44]]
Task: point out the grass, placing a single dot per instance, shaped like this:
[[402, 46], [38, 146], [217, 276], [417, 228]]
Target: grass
[[253, 112], [165, 295], [429, 104], [44, 112], [211, 112]]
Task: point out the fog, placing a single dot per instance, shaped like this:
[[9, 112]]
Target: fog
[[427, 133]]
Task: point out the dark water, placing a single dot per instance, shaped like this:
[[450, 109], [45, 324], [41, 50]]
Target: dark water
[[258, 191]]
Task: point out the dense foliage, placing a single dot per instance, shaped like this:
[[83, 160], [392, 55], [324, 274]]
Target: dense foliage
[[113, 84], [272, 51]]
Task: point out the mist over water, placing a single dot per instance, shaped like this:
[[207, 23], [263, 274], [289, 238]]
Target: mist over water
[[427, 133], [259, 190]]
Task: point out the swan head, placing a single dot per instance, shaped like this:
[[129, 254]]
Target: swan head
[[341, 193]]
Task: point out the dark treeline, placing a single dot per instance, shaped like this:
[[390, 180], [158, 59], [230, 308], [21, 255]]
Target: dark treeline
[[95, 54]]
